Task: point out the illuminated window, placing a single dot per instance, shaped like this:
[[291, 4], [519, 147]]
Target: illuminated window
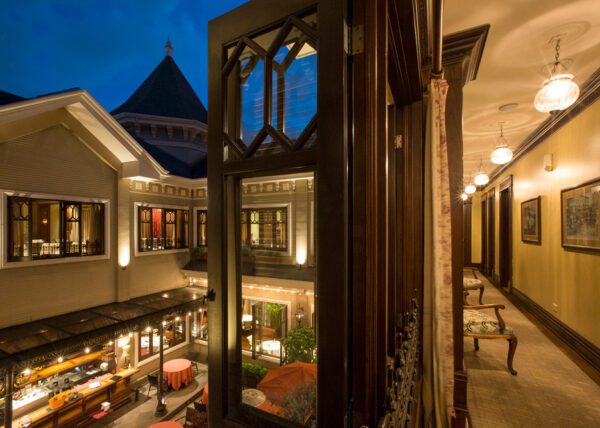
[[149, 342], [162, 229], [265, 228], [43, 229], [202, 231]]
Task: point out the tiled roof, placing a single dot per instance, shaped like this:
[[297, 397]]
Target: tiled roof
[[7, 98], [166, 92]]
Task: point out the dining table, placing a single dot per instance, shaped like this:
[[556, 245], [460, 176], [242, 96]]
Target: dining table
[[178, 372], [166, 424]]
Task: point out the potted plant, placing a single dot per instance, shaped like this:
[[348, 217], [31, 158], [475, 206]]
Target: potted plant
[[252, 374]]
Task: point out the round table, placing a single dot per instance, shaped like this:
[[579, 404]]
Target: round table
[[178, 372], [166, 424], [253, 397]]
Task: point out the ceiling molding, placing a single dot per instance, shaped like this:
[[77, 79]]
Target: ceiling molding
[[590, 92], [466, 44]]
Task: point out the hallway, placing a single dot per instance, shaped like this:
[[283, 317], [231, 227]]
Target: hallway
[[550, 390]]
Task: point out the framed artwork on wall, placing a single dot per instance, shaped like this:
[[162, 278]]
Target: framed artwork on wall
[[580, 216], [531, 221]]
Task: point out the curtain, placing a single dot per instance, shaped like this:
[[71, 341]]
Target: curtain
[[437, 311]]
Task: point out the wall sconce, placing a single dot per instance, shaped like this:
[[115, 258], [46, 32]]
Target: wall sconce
[[299, 315], [548, 162], [300, 256], [124, 258]]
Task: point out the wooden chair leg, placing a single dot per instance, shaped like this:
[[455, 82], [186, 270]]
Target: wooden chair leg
[[476, 343], [481, 295], [512, 347]]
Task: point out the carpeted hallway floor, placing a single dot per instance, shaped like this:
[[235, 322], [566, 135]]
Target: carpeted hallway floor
[[550, 390]]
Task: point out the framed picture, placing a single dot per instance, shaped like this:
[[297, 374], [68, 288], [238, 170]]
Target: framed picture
[[531, 220], [580, 219]]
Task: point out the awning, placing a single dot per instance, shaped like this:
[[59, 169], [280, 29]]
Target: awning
[[45, 339]]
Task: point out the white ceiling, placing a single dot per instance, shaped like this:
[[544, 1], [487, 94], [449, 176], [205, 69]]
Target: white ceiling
[[515, 63]]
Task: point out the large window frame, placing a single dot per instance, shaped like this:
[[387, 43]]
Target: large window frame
[[152, 333], [172, 217], [254, 215], [56, 250]]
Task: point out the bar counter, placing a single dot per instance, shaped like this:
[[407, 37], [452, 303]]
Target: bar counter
[[79, 411]]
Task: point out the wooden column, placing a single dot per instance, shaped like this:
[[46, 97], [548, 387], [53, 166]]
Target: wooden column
[[461, 57], [8, 405]]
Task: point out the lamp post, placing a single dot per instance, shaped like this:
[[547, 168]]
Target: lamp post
[[161, 407]]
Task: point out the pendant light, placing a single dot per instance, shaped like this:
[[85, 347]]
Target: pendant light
[[464, 196], [481, 179], [501, 154], [559, 91], [470, 189]]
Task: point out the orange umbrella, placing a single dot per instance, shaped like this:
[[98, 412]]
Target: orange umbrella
[[269, 407], [279, 381]]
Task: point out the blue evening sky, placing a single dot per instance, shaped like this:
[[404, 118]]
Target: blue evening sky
[[107, 47]]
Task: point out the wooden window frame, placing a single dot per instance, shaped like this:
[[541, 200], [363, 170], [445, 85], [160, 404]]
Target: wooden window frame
[[181, 241]]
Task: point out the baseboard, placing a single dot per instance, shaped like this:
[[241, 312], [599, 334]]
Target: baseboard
[[579, 344]]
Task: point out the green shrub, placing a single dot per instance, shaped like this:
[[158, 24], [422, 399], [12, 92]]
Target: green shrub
[[301, 345], [250, 369]]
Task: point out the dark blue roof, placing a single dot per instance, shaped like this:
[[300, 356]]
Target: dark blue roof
[[7, 98], [183, 159], [166, 92]]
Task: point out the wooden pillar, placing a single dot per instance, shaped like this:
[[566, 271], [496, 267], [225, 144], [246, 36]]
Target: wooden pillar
[[461, 57], [8, 402]]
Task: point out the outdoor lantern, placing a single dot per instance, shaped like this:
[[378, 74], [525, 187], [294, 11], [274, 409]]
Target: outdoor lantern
[[559, 91], [501, 154], [299, 315]]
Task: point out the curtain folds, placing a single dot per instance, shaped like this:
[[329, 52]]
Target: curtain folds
[[437, 311]]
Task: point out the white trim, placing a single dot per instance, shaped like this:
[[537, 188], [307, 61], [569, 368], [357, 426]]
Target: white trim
[[290, 222], [4, 224], [136, 252]]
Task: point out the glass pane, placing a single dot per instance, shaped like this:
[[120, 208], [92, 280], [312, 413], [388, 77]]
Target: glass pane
[[92, 229], [158, 241], [170, 224], [278, 339], [202, 237], [19, 229], [145, 229], [252, 74], [45, 224]]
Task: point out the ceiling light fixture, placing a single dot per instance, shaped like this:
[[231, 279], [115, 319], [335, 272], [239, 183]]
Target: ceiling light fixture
[[470, 189], [559, 91], [464, 196], [501, 154], [481, 179]]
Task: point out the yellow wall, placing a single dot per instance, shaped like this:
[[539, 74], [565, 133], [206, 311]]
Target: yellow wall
[[476, 228], [565, 283], [53, 161]]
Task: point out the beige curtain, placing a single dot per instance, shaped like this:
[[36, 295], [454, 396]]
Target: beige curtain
[[437, 310]]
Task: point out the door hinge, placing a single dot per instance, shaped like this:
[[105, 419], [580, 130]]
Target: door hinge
[[398, 141], [356, 40]]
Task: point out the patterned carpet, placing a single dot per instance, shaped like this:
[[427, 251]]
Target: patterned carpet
[[549, 390]]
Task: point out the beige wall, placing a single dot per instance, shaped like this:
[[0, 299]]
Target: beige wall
[[53, 161], [476, 228], [565, 283]]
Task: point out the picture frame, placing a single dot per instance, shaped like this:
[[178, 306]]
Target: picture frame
[[531, 221], [580, 216]]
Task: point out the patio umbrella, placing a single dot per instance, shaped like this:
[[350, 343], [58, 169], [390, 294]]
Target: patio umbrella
[[280, 381]]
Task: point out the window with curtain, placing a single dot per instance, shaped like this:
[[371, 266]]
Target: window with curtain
[[149, 339], [265, 228], [44, 228], [162, 229], [202, 231]]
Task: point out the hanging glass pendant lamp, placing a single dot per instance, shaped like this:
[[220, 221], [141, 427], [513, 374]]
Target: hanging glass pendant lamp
[[501, 154], [470, 189], [559, 91], [481, 179]]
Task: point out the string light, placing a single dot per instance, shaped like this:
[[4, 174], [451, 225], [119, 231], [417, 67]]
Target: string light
[[87, 350]]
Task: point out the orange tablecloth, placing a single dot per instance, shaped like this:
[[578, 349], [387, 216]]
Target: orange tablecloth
[[178, 372], [166, 424]]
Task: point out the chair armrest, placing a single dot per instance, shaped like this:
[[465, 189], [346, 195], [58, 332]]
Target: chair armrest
[[486, 306], [496, 307]]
